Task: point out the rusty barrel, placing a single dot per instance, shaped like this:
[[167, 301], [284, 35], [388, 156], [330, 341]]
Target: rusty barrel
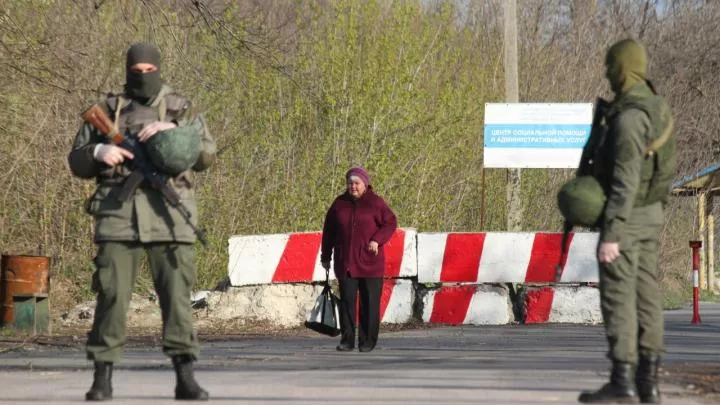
[[21, 275]]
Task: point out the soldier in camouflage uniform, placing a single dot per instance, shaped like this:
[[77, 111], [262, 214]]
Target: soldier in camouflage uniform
[[143, 224], [626, 171]]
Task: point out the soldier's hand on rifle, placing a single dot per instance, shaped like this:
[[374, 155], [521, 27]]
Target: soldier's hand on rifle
[[111, 155], [153, 128]]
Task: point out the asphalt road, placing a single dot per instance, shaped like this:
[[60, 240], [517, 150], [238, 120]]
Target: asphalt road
[[512, 364]]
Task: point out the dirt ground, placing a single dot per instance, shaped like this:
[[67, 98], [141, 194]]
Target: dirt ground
[[701, 378], [74, 336]]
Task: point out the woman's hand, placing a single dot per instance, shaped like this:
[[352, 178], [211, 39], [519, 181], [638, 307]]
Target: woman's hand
[[373, 247]]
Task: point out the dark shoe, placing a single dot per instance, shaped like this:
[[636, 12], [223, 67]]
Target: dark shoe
[[620, 389], [646, 379], [344, 347], [101, 389], [365, 349], [187, 388]]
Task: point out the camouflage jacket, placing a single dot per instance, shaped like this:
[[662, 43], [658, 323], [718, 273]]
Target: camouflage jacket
[[635, 120], [145, 216]]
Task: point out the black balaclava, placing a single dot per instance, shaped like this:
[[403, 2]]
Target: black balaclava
[[142, 87]]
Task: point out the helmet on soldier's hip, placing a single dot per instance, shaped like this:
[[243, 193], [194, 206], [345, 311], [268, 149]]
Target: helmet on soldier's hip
[[581, 201], [175, 150]]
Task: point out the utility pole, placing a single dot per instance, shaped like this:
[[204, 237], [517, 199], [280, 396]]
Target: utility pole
[[514, 198]]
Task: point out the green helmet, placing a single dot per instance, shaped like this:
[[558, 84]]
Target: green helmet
[[175, 150], [581, 201]]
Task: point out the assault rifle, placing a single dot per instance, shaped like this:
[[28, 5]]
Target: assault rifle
[[598, 133], [141, 166], [597, 137]]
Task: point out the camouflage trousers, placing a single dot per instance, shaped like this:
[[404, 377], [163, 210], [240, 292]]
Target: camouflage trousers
[[173, 272], [630, 294]]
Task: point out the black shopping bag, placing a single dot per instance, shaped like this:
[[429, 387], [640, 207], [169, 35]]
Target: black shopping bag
[[325, 316]]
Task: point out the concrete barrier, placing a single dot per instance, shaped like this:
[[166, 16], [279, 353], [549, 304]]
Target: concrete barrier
[[478, 263], [287, 305], [561, 304], [295, 258], [504, 257], [467, 305]]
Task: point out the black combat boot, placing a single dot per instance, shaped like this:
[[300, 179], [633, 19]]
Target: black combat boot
[[646, 379], [187, 388], [620, 389], [101, 389]]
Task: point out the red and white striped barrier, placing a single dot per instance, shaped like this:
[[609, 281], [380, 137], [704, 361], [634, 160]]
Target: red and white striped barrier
[[472, 258], [396, 301], [504, 257], [295, 258], [467, 304], [562, 305]]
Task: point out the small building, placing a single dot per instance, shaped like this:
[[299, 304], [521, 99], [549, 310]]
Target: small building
[[704, 186]]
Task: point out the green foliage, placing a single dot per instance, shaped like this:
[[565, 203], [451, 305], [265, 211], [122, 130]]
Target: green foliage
[[294, 95]]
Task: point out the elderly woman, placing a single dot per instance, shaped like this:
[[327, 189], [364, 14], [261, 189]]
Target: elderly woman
[[357, 226]]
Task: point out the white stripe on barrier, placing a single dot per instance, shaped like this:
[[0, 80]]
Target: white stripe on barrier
[[400, 307], [428, 304], [489, 308], [430, 253], [582, 265], [505, 257], [253, 259]]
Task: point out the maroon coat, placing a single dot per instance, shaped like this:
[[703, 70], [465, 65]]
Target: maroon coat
[[349, 227]]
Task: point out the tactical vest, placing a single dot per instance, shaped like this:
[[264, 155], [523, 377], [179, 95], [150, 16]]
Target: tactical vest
[[132, 116], [129, 117], [659, 159]]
